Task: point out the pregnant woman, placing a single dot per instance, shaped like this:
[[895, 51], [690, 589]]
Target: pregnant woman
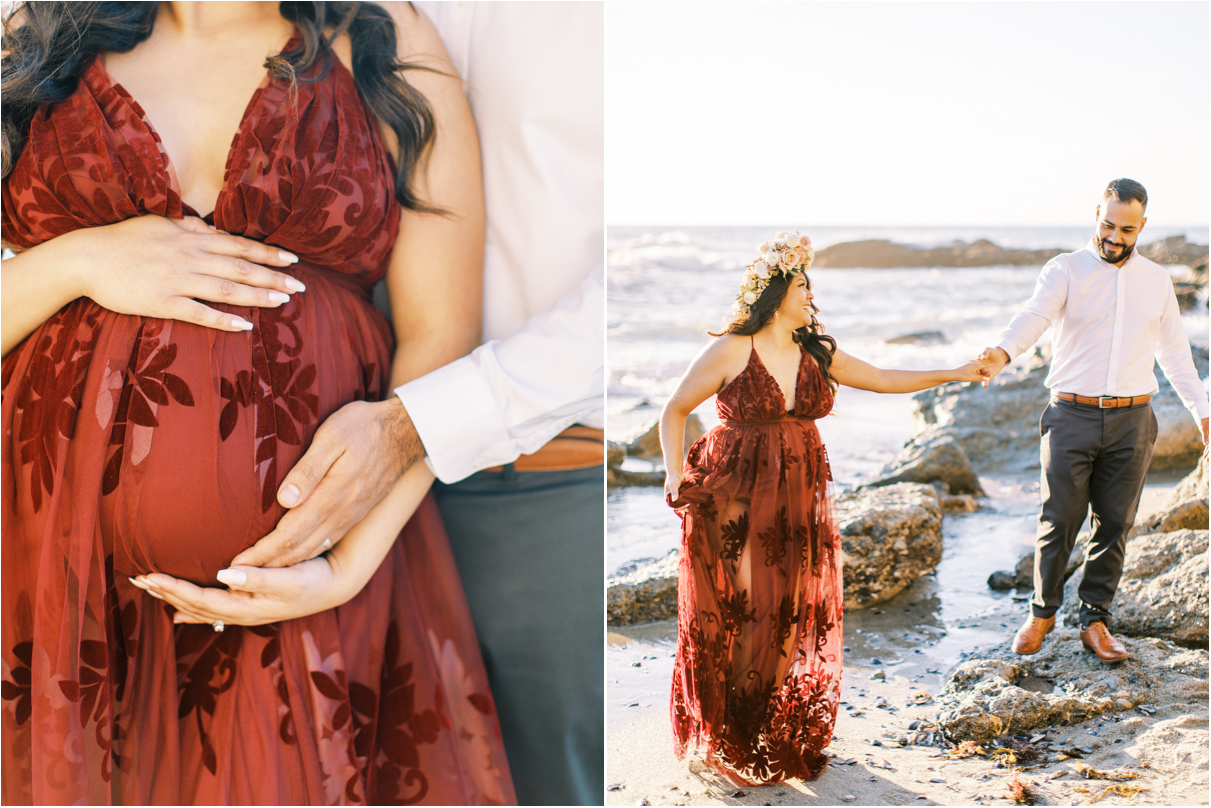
[[186, 306], [757, 676]]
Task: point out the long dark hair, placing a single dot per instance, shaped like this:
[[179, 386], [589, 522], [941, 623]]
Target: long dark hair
[[819, 345], [48, 44]]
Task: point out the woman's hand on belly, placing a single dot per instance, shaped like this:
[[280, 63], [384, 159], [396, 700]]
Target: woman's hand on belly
[[261, 595], [159, 267], [148, 266], [265, 596]]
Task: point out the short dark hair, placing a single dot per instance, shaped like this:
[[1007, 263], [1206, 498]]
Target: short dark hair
[[1124, 190]]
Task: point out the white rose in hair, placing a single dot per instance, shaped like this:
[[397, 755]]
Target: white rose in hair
[[750, 298], [764, 248]]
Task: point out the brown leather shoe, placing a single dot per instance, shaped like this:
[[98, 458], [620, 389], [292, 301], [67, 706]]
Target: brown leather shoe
[[1029, 638], [1097, 639]]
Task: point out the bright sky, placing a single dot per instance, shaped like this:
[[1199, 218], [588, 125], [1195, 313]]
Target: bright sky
[[903, 113]]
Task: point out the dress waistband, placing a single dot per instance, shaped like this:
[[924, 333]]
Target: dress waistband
[[790, 419]]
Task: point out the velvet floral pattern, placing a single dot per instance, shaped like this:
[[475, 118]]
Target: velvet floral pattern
[[133, 445], [757, 677]]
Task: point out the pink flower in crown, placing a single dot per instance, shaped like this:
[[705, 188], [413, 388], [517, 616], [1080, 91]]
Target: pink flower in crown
[[791, 258]]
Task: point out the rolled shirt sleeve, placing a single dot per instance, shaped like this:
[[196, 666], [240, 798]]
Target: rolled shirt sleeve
[[510, 396]]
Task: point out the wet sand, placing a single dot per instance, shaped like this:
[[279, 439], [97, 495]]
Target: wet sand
[[896, 657]]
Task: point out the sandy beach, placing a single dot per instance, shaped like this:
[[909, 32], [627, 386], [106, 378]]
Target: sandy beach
[[883, 752]]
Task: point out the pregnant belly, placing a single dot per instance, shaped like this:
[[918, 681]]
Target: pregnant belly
[[174, 438]]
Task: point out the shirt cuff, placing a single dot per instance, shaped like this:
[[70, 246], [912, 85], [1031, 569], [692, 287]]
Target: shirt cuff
[[454, 412]]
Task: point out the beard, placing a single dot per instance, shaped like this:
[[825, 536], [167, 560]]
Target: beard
[[1113, 254]]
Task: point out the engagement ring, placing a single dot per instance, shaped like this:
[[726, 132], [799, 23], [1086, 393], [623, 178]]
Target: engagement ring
[[219, 625]]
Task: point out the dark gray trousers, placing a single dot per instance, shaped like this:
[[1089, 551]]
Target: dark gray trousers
[[530, 549], [1093, 460]]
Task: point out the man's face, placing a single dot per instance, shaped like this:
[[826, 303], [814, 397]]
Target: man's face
[[1118, 226]]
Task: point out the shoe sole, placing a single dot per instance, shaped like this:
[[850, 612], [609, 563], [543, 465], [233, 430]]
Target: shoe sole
[[1111, 660]]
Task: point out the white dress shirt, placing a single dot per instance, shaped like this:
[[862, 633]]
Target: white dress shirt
[[1109, 323], [535, 83]]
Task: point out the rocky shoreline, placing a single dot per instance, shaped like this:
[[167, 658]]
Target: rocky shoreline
[[883, 254]]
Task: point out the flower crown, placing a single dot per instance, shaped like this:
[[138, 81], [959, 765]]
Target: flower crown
[[788, 254]]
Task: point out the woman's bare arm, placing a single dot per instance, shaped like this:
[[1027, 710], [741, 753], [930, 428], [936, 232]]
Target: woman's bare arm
[[853, 372], [716, 364]]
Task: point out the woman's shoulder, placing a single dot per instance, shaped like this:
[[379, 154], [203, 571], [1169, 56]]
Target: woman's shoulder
[[727, 355], [729, 346]]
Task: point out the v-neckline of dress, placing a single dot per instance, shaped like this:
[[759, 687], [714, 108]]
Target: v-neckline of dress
[[169, 162], [794, 397]]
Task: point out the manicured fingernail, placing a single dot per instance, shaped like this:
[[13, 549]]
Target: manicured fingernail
[[139, 583], [241, 323], [296, 285], [289, 258], [232, 577], [279, 297], [289, 496]]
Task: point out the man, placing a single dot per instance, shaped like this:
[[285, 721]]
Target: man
[[514, 430], [1112, 311]]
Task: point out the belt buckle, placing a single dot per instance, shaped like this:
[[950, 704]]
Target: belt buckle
[[1102, 405]]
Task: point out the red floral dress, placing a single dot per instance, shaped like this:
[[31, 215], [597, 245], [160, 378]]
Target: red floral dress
[[134, 444], [757, 677]]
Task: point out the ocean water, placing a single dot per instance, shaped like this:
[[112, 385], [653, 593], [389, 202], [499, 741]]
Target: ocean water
[[668, 286]]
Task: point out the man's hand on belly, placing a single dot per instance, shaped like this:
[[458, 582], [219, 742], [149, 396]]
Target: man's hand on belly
[[354, 459]]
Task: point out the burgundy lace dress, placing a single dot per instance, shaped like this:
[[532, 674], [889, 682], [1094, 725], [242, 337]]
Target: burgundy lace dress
[[757, 677], [134, 445]]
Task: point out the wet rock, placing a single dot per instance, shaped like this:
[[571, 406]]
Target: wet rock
[[997, 692], [643, 594], [890, 537], [1179, 443], [1162, 592], [1001, 581], [617, 478], [647, 443], [1186, 507], [932, 458], [615, 453], [960, 503], [920, 338], [998, 427]]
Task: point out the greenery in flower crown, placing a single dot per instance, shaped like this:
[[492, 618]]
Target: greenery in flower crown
[[788, 254]]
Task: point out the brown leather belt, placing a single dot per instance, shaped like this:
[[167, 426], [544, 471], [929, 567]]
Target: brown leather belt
[[577, 447], [1104, 402]]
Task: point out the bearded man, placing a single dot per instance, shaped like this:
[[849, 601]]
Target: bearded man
[[1113, 312]]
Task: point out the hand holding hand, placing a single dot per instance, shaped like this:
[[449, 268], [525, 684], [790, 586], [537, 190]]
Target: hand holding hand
[[973, 371], [353, 461], [156, 267], [995, 359]]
